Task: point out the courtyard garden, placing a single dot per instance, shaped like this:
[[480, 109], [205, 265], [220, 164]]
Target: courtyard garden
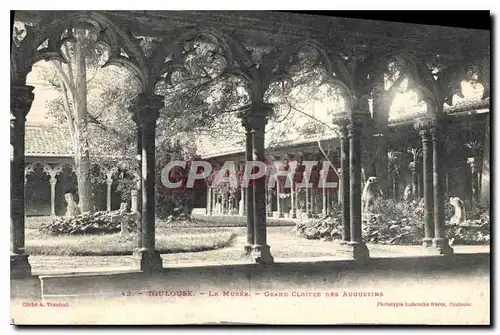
[[400, 223], [67, 237]]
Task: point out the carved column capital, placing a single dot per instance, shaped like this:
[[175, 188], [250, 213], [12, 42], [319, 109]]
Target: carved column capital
[[255, 117], [425, 126], [357, 121], [109, 174], [146, 108], [28, 169], [52, 171], [21, 98], [342, 121]]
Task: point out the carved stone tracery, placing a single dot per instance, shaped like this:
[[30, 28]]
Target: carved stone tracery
[[156, 61]]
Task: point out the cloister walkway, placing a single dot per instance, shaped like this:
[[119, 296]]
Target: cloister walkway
[[282, 237]]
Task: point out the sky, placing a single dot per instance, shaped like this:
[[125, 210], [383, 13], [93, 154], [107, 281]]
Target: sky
[[39, 111]]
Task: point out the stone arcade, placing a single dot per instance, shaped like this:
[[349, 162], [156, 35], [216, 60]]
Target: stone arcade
[[354, 54]]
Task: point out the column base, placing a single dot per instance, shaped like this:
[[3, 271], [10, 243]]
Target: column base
[[427, 242], [262, 254], [440, 246], [148, 261], [357, 250], [343, 242], [294, 215], [19, 266], [28, 287]]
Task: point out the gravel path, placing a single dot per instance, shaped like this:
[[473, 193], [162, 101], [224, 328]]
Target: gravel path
[[284, 245]]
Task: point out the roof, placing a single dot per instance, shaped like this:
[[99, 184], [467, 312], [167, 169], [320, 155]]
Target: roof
[[48, 140], [211, 148], [462, 106], [55, 141]]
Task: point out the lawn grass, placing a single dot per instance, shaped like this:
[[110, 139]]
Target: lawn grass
[[34, 222], [169, 239]]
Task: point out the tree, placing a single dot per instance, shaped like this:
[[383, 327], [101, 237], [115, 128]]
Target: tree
[[80, 53]]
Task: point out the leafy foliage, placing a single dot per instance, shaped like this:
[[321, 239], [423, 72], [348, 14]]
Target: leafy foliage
[[87, 223], [394, 223]]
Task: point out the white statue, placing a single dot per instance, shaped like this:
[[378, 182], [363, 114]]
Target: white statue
[[407, 195], [459, 216], [72, 208], [241, 207], [371, 192]]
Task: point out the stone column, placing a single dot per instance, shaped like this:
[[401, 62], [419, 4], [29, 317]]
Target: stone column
[[148, 108], [474, 185], [278, 199], [214, 202], [133, 201], [20, 104], [423, 126], [345, 182], [485, 171], [257, 120], [324, 194], [138, 175], [109, 183], [440, 242], [249, 194], [420, 176], [307, 196], [355, 128], [52, 172], [224, 206], [269, 199], [293, 197], [313, 201], [53, 182], [414, 179], [209, 200]]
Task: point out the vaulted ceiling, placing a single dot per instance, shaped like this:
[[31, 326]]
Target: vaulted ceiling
[[266, 29]]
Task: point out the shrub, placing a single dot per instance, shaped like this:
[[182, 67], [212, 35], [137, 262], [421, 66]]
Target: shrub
[[396, 223], [87, 223], [324, 227]]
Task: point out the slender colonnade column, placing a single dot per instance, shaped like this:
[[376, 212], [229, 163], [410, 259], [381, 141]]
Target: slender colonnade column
[[249, 203], [423, 126], [21, 99], [345, 195], [359, 249], [147, 113], [257, 120], [440, 242]]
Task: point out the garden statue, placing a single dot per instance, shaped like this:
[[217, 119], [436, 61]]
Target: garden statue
[[123, 208], [459, 216], [72, 208], [407, 195], [371, 192], [241, 210], [122, 216]]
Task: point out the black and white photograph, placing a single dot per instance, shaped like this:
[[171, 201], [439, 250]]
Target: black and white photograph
[[251, 167]]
